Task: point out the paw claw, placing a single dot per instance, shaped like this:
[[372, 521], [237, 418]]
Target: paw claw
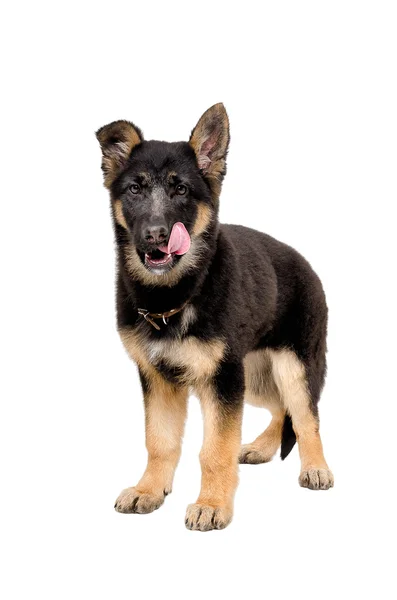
[[316, 479], [249, 455], [133, 501], [204, 518]]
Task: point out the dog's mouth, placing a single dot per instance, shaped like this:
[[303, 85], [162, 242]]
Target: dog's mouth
[[164, 257], [159, 260]]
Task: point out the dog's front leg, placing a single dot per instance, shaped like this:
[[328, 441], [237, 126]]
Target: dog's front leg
[[221, 401], [165, 415]]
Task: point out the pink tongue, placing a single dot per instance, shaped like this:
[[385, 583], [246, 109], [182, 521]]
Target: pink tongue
[[179, 242]]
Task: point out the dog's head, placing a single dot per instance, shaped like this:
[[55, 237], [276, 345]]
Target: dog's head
[[165, 195]]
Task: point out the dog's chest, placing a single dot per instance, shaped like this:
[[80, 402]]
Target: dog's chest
[[186, 360]]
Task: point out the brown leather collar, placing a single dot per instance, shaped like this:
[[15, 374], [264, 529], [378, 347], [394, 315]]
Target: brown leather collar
[[165, 315]]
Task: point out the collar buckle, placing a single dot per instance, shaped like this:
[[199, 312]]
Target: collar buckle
[[149, 317]]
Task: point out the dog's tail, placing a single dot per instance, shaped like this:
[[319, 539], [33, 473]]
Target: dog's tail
[[288, 437]]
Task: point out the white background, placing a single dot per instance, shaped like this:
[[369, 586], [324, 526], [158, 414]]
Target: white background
[[310, 88]]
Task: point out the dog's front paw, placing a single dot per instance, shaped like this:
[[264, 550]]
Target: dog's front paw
[[316, 479], [204, 518], [132, 500]]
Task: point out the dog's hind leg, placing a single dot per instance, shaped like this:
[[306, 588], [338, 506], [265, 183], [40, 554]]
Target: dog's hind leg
[[290, 377], [261, 390], [266, 445]]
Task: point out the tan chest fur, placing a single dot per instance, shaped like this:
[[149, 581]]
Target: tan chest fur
[[197, 360]]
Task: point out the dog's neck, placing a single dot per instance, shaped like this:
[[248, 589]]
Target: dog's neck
[[160, 299]]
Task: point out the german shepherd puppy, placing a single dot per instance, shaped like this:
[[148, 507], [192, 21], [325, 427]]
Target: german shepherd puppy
[[221, 309]]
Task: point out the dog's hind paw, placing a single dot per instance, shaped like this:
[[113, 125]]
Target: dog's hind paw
[[249, 455], [133, 501], [316, 479]]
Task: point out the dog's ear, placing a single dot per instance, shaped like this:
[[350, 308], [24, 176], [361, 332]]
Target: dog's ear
[[210, 141], [117, 140]]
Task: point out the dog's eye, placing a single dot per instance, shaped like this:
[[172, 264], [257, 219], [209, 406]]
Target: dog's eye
[[181, 189], [135, 188]]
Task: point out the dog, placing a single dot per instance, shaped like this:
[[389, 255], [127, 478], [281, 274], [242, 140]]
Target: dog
[[223, 310]]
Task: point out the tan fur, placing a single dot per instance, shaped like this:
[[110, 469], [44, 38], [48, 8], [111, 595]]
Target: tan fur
[[214, 118], [133, 344], [261, 389], [290, 377], [218, 456], [114, 155], [198, 359], [165, 415], [146, 177], [203, 219], [188, 317], [118, 214], [269, 441], [171, 176], [186, 263], [219, 464], [276, 379], [265, 446]]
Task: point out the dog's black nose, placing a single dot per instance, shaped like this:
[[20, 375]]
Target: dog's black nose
[[156, 234]]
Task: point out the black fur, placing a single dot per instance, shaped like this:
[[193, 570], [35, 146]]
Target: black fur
[[288, 438], [247, 288]]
